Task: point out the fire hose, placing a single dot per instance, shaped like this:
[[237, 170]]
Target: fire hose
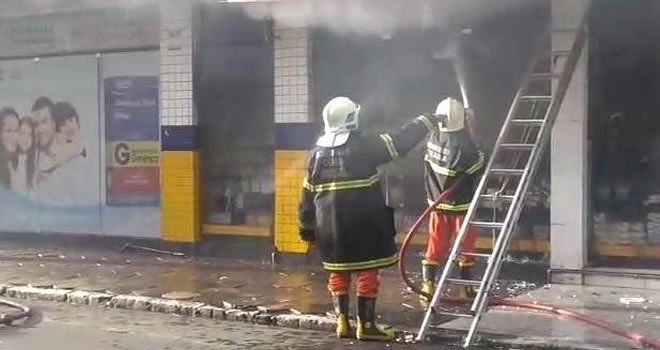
[[9, 318], [635, 337]]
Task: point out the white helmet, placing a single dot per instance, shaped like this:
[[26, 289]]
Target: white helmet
[[455, 113], [340, 116]]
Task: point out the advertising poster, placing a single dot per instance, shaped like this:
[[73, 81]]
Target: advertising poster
[[132, 141], [79, 145], [49, 149]]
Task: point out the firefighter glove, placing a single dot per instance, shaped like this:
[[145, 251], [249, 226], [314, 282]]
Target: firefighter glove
[[307, 235]]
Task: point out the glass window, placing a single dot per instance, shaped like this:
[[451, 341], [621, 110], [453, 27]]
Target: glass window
[[234, 72], [624, 134]]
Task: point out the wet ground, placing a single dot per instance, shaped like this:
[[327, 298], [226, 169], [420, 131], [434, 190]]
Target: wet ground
[[212, 281], [634, 310], [301, 289], [69, 327]]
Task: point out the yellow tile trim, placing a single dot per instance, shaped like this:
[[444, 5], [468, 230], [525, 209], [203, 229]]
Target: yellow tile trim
[[180, 206], [236, 230], [289, 171]]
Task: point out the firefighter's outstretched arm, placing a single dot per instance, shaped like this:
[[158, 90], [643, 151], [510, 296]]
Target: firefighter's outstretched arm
[[395, 144], [472, 160], [307, 212]]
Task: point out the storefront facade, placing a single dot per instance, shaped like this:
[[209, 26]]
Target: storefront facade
[[261, 88], [603, 196], [191, 121], [84, 92]]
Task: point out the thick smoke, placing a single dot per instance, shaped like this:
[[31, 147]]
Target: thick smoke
[[23, 7], [379, 17]]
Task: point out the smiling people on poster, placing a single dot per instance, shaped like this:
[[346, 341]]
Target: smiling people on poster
[[66, 159]]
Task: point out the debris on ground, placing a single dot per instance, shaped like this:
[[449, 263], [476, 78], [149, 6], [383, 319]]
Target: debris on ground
[[631, 300], [180, 295], [129, 246], [408, 306], [276, 308]]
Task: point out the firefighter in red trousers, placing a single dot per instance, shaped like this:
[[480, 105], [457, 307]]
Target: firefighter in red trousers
[[343, 210], [451, 154]]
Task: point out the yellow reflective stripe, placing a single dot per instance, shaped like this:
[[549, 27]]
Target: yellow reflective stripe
[[389, 143], [429, 262], [362, 265], [307, 185], [342, 185], [478, 165], [434, 147], [426, 121], [440, 169], [449, 207]]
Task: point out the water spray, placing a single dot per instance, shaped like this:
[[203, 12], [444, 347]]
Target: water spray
[[458, 58]]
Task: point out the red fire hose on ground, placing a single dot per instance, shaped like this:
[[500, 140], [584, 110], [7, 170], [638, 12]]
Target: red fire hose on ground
[[652, 343]]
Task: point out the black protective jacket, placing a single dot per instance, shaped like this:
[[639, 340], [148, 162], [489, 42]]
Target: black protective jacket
[[451, 156], [342, 205]]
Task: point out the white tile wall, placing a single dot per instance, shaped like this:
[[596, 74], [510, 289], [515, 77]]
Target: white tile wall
[[292, 57], [176, 76]]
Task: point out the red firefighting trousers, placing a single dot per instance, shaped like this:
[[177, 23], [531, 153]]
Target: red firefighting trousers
[[443, 229], [368, 282]]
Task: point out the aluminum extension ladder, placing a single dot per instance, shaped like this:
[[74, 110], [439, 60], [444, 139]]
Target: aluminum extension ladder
[[538, 100]]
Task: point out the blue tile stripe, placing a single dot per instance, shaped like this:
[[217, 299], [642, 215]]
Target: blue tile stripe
[[296, 136], [179, 138]]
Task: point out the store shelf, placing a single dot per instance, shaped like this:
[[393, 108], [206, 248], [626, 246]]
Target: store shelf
[[628, 251], [520, 245], [236, 230]]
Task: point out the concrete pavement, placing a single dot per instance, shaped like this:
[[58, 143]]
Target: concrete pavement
[[246, 285], [70, 327]]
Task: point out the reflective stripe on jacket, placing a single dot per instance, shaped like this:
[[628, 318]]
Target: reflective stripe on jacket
[[343, 202], [450, 156]]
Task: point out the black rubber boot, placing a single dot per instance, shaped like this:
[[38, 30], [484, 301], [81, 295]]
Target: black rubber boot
[[467, 292], [367, 329], [341, 305]]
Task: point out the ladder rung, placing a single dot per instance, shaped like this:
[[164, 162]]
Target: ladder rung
[[528, 121], [520, 146], [490, 197], [557, 53], [486, 224], [565, 30], [453, 314], [513, 172], [535, 98], [477, 255], [539, 76], [462, 282]]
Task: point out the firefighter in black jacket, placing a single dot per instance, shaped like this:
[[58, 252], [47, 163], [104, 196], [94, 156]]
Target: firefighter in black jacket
[[343, 209], [451, 154]]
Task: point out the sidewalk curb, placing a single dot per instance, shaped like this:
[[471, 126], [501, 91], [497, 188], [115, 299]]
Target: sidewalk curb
[[198, 309], [167, 306]]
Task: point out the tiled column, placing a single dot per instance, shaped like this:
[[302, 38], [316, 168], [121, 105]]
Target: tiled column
[[180, 207], [294, 132], [569, 171]]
